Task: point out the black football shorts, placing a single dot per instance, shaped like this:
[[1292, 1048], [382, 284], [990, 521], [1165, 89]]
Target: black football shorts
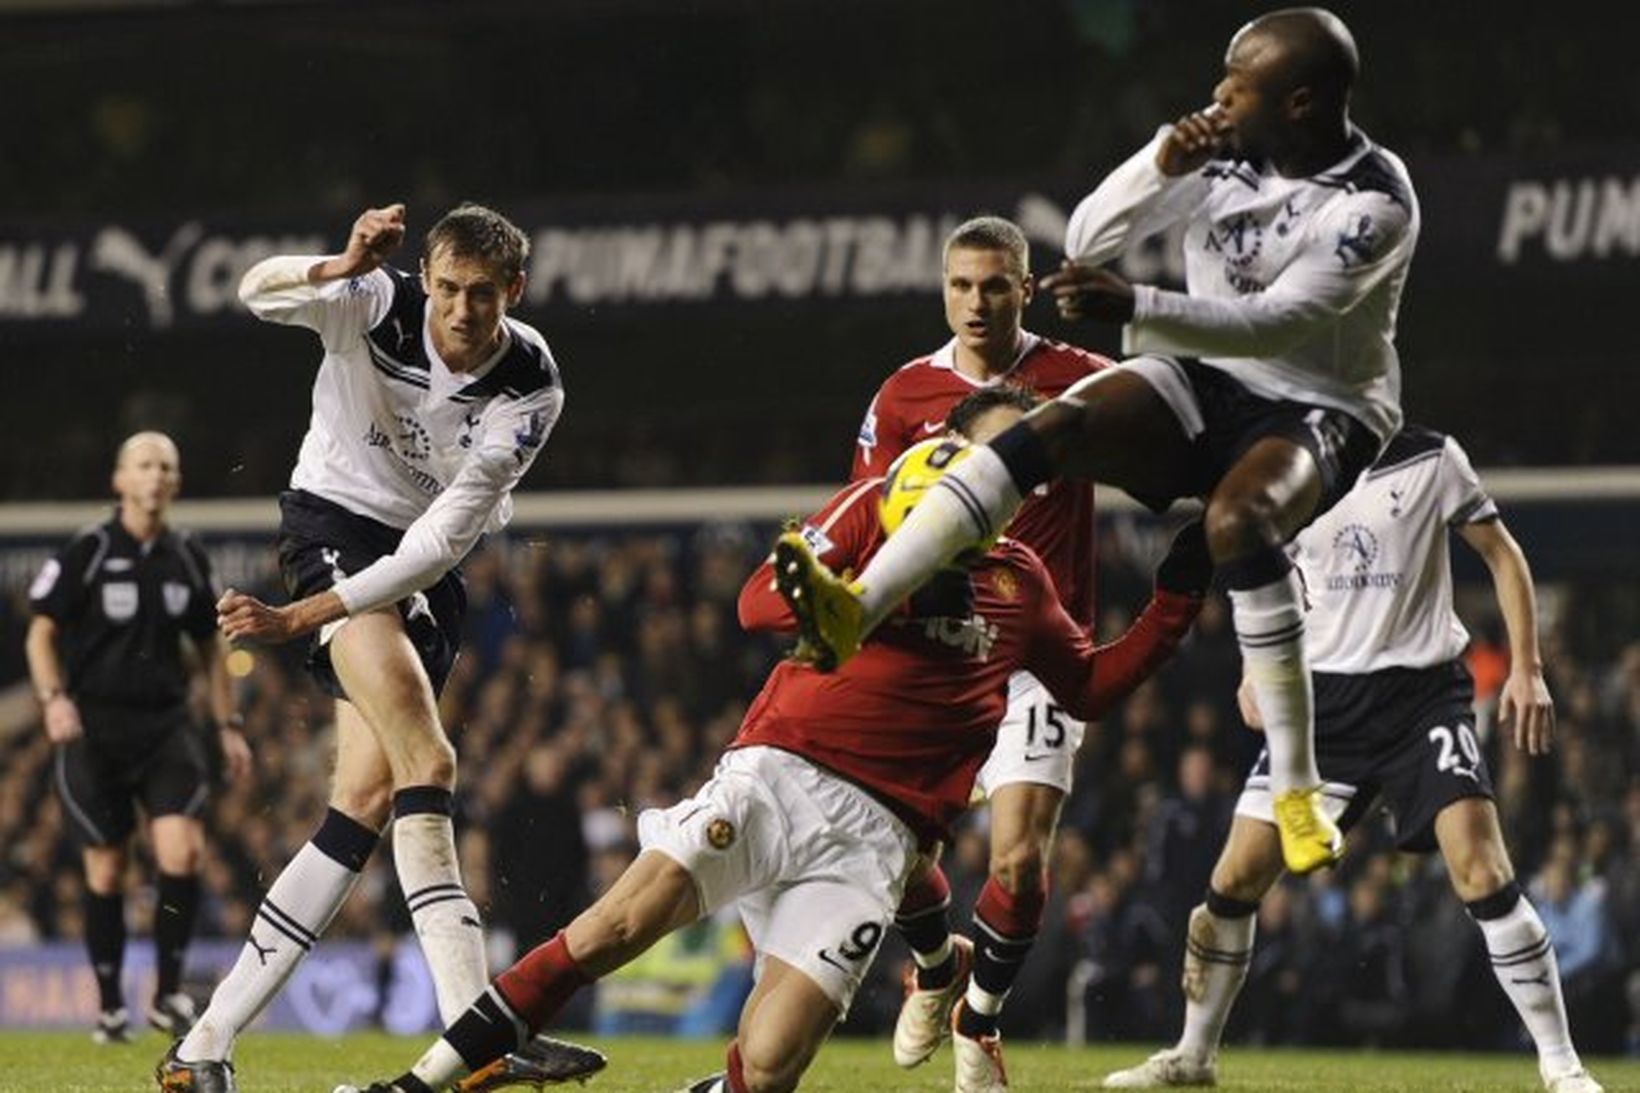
[[320, 542], [125, 757], [1406, 735]]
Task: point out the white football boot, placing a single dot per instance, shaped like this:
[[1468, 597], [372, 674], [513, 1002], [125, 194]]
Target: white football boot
[[1167, 1068], [979, 1061], [1576, 1081], [925, 1016]]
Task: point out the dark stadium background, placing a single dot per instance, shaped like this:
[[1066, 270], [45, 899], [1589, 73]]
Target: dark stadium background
[[613, 652]]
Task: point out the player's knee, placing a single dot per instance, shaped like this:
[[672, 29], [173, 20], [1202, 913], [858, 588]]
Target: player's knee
[[1242, 887], [1245, 879], [1479, 875], [433, 764], [104, 870], [181, 858], [368, 802], [1018, 868], [1239, 526], [769, 1067]]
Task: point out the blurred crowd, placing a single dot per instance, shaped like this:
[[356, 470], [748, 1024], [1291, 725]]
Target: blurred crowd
[[602, 675], [770, 99]]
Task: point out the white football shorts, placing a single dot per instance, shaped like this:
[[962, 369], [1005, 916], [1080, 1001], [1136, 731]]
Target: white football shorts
[[1036, 742], [818, 865]]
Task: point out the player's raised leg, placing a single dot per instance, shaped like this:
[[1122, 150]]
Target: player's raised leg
[[653, 897], [1266, 497], [1523, 959], [1218, 950], [379, 670], [300, 904], [1112, 427]]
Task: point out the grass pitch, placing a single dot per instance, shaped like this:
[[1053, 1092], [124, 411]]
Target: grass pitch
[[285, 1063]]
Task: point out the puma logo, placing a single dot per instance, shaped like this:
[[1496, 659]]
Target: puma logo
[[262, 954], [1540, 980], [469, 920], [117, 251]]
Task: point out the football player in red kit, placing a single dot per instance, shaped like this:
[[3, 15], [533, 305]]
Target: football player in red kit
[[987, 285], [818, 811]]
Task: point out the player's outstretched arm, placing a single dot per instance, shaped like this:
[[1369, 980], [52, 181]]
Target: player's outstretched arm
[[243, 617], [1089, 680], [1349, 252], [1524, 703], [839, 533], [290, 288], [376, 234], [511, 434]]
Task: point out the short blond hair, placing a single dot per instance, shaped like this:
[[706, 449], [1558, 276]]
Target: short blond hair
[[991, 233], [148, 436]]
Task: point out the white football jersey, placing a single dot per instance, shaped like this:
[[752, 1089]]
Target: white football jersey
[[1293, 283], [1377, 573], [395, 435]]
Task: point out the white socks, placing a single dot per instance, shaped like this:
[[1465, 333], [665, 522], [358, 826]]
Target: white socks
[[440, 1064], [447, 923], [1269, 621], [301, 903], [1524, 962], [1218, 951], [971, 502]]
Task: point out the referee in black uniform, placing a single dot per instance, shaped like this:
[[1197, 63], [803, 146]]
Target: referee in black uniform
[[106, 657]]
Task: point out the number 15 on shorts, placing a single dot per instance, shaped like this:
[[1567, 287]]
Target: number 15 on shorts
[[1045, 726]]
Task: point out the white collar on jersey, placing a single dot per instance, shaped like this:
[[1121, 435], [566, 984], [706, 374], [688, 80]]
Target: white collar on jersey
[[442, 381], [946, 357]]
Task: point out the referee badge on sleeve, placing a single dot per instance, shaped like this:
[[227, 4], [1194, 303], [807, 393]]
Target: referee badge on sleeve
[[177, 595], [46, 580]]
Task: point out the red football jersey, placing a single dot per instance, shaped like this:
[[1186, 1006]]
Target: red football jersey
[[1057, 520], [914, 714]]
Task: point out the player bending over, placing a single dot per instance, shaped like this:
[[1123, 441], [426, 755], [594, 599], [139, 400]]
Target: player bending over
[[1395, 718], [991, 362], [429, 406], [1299, 234], [819, 809]]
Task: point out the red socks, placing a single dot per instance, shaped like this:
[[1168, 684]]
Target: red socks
[[542, 981]]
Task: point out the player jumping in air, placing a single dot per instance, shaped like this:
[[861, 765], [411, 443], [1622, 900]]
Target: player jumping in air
[[991, 361], [1395, 718], [1266, 389], [429, 406], [817, 813]]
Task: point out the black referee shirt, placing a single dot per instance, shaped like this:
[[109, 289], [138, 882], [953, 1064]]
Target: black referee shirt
[[121, 608]]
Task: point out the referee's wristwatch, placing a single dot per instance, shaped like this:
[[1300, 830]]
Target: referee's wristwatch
[[234, 721]]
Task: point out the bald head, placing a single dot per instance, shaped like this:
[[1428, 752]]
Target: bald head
[[1301, 48], [148, 443], [147, 474]]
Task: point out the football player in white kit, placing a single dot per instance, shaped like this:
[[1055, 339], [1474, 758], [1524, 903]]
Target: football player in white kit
[[1395, 718], [1266, 389], [428, 407]]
